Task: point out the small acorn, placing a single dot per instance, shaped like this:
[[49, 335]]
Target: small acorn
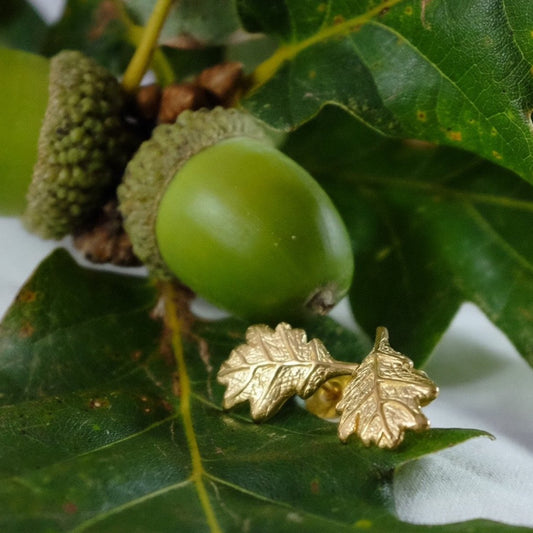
[[70, 139], [210, 200], [24, 96]]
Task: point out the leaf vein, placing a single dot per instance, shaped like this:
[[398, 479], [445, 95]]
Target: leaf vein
[[442, 74], [132, 503]]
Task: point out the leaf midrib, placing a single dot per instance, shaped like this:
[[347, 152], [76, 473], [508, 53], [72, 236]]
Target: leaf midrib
[[266, 70], [198, 472]]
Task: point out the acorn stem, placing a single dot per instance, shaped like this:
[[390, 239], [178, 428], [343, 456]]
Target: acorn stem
[[143, 54]]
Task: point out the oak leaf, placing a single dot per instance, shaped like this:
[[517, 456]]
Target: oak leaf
[[384, 397], [274, 365]]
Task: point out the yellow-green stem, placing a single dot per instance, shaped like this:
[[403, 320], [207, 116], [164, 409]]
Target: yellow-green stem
[[143, 54], [266, 70], [173, 322]]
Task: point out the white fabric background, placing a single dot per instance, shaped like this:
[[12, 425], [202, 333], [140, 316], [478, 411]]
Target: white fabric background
[[483, 383]]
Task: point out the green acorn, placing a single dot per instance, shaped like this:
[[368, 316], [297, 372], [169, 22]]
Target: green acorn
[[24, 94], [83, 140], [211, 201]]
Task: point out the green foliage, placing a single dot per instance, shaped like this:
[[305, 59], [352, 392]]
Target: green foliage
[[209, 22], [97, 28], [98, 433], [455, 73], [21, 26], [109, 31], [431, 227]]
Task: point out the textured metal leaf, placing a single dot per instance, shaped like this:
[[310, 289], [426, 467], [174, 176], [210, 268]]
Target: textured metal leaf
[[384, 397], [274, 365]]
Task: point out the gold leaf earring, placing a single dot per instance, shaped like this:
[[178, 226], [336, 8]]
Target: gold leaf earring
[[377, 400], [275, 365], [384, 397]]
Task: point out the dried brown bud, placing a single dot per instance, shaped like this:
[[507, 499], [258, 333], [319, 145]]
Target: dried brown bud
[[148, 99], [222, 80], [105, 241], [177, 98]]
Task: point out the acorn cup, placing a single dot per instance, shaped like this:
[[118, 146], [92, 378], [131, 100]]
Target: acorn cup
[[209, 200], [64, 140]]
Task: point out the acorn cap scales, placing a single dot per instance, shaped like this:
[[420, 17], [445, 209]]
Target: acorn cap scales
[[156, 163]]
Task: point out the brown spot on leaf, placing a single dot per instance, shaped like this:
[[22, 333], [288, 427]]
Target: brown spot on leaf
[[526, 313], [27, 330], [26, 296], [315, 486], [338, 19], [136, 355], [70, 508], [99, 403], [455, 136], [423, 20], [167, 406], [205, 356], [418, 144], [176, 388], [165, 347]]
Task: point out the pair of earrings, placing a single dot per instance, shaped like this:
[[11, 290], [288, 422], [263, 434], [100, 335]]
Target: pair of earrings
[[379, 399]]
